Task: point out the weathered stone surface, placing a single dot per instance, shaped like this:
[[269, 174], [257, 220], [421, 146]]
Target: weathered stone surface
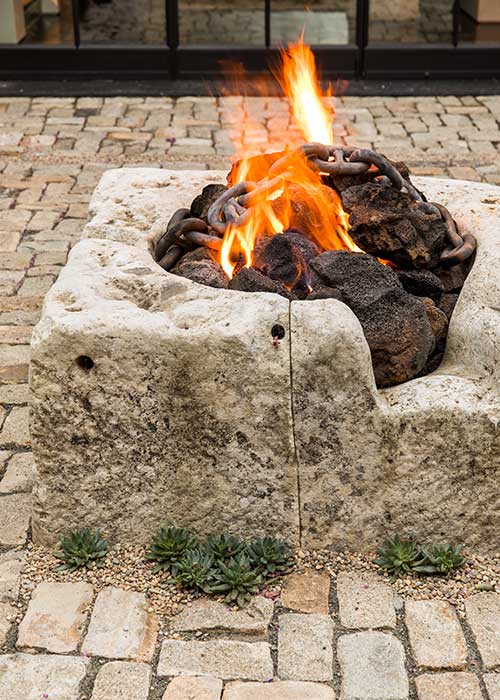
[[205, 614], [436, 637], [29, 677], [133, 456], [193, 688], [307, 592], [56, 616], [372, 666], [365, 601], [11, 566], [226, 659], [483, 616], [15, 513], [121, 627], [492, 683], [164, 321], [278, 690], [19, 474], [7, 617], [305, 647], [117, 680], [448, 686]]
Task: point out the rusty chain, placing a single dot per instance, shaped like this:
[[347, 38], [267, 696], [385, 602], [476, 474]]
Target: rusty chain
[[233, 207]]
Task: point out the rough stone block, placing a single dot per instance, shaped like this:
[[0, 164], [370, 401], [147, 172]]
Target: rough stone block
[[56, 616], [483, 616], [305, 647], [436, 637], [120, 680], [278, 690], [29, 677], [15, 513], [448, 686], [372, 666], [11, 566], [308, 592], [226, 659], [492, 683], [193, 688], [19, 474], [132, 457], [7, 617], [121, 627], [211, 615], [365, 601]]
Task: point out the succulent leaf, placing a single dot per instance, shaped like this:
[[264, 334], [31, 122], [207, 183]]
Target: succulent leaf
[[169, 546], [84, 547], [271, 556]]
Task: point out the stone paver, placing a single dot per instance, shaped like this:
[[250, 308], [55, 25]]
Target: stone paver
[[305, 647], [226, 659], [18, 476], [120, 680], [448, 686], [278, 690], [121, 627], [436, 637], [207, 615], [492, 683], [56, 617], [7, 617], [193, 688], [483, 616], [30, 677], [307, 593], [15, 514], [372, 667], [365, 601], [11, 566]]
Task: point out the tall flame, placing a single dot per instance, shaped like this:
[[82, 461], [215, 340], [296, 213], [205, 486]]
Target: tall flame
[[298, 197]]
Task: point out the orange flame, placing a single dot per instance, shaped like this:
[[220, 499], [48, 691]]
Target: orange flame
[[294, 196]]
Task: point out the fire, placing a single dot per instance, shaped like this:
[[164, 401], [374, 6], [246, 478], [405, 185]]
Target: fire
[[291, 194]]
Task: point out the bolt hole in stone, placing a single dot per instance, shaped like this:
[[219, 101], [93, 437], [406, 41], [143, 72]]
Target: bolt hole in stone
[[325, 222], [277, 331], [85, 362]]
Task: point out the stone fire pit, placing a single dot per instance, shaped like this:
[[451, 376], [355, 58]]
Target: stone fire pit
[[159, 400]]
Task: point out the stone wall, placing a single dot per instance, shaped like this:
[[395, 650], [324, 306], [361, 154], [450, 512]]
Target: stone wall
[[187, 413]]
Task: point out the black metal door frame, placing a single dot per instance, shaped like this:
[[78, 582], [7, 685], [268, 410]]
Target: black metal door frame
[[173, 60]]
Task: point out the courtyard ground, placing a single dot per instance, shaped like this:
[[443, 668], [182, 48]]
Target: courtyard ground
[[330, 633]]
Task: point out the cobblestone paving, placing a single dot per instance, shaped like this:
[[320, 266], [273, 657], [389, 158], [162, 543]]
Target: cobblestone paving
[[356, 640]]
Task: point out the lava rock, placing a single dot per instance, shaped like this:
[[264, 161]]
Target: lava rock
[[200, 253], [280, 258], [206, 272], [421, 283], [322, 292], [447, 304], [201, 204], [250, 280], [391, 225], [308, 248], [453, 278]]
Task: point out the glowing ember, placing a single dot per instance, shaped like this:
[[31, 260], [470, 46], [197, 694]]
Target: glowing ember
[[291, 194]]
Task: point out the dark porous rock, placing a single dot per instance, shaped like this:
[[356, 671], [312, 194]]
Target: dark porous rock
[[343, 182], [279, 258], [308, 248], [206, 272], [453, 278], [250, 280], [391, 225], [200, 253], [447, 304], [360, 278], [201, 204], [322, 292], [439, 324], [399, 335], [421, 283]]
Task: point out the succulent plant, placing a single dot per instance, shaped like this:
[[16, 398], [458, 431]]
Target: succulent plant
[[169, 546], [271, 556], [237, 580], [84, 547], [224, 546], [195, 570], [439, 559], [398, 555]]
